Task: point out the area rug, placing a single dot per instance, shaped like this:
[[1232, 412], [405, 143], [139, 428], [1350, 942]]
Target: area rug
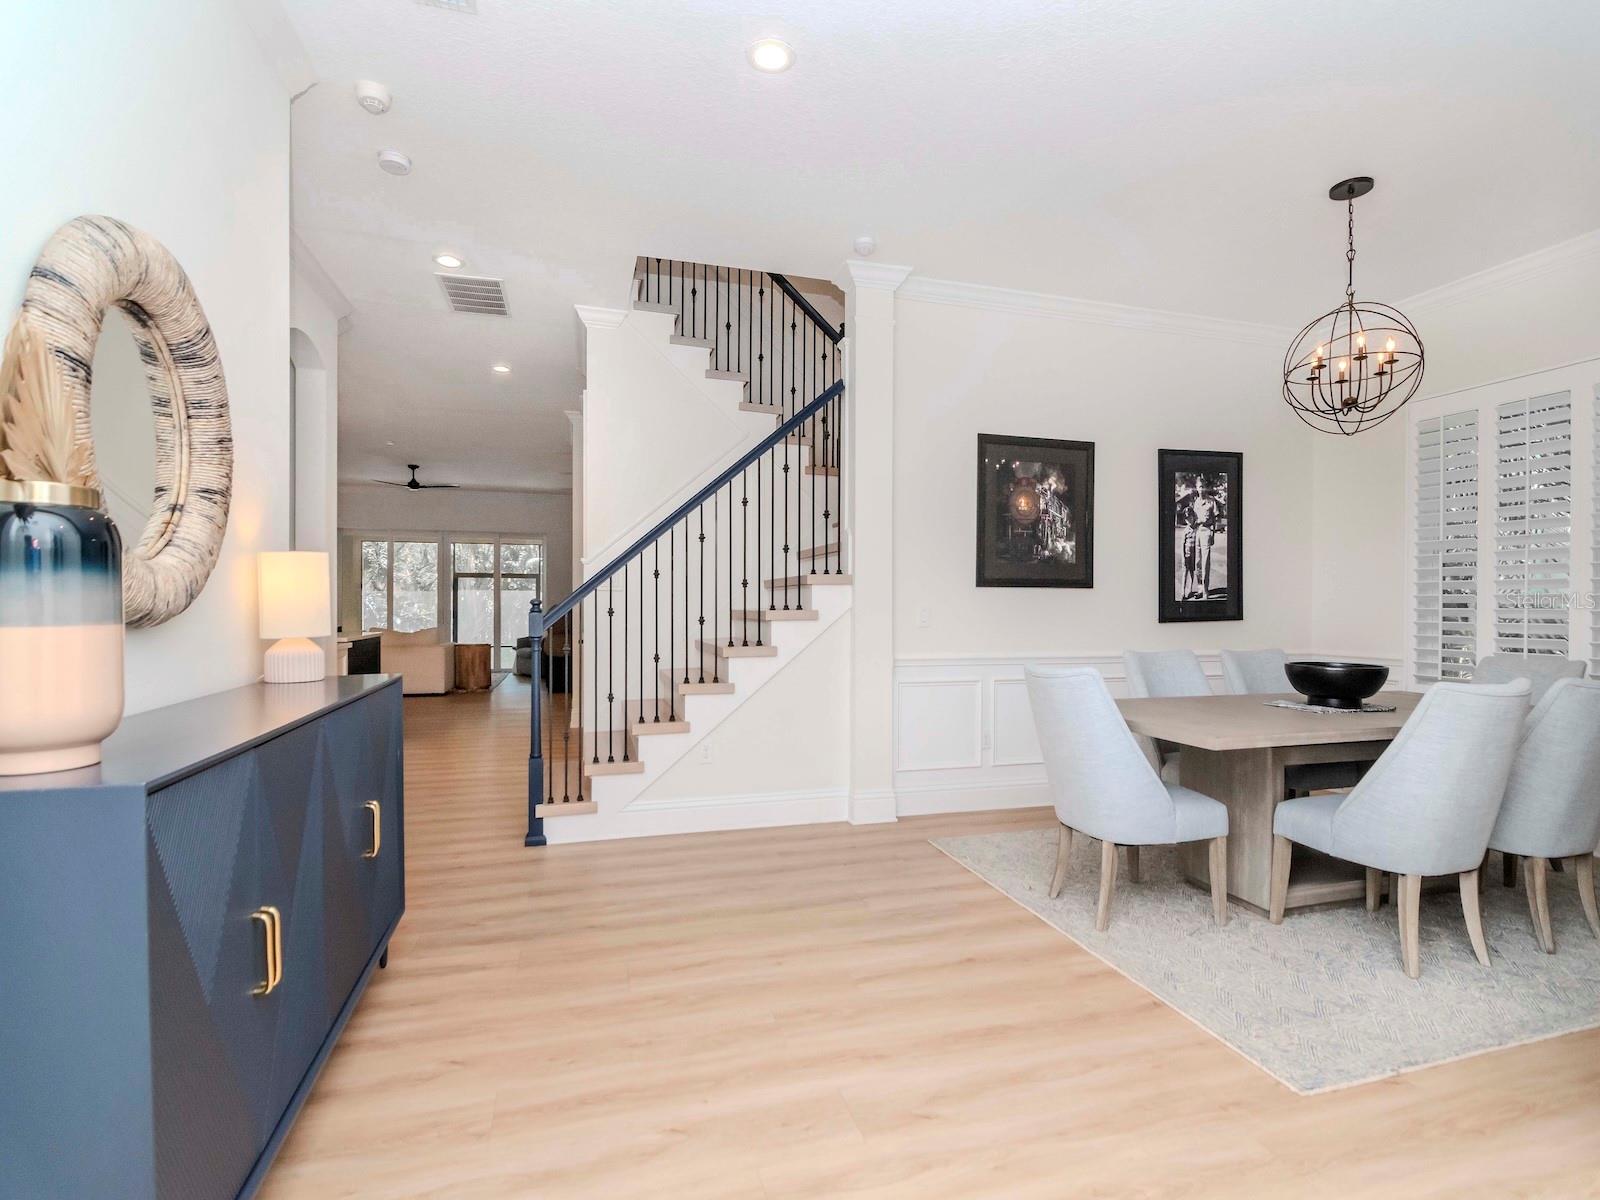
[[1319, 1002]]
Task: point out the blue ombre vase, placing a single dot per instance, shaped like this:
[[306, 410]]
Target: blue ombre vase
[[60, 627]]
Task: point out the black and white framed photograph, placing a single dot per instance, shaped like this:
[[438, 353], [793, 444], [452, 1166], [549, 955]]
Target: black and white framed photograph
[[1202, 535], [1035, 512]]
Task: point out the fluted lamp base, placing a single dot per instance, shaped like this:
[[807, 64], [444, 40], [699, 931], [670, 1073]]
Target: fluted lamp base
[[295, 660]]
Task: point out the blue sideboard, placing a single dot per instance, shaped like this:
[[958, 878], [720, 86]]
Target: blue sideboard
[[184, 931]]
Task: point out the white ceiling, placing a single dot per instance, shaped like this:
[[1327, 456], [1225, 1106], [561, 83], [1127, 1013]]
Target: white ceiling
[[1164, 153]]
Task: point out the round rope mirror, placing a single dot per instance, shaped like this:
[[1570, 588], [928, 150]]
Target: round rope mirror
[[89, 265]]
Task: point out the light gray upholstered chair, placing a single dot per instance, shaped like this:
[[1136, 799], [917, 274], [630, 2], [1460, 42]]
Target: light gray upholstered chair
[[1105, 788], [1541, 670], [1255, 671], [1426, 807], [1552, 801], [1164, 673]]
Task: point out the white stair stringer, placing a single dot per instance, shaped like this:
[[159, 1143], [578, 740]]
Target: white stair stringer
[[623, 804]]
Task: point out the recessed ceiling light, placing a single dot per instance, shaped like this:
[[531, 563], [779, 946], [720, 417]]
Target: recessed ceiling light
[[772, 55], [394, 162], [448, 261], [501, 368]]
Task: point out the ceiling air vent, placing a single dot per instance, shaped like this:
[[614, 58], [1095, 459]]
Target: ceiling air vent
[[474, 294], [468, 7]]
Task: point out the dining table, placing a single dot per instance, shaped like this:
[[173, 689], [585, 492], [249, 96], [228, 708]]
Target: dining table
[[1236, 749]]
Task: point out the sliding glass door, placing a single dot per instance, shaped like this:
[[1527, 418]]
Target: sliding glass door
[[491, 585]]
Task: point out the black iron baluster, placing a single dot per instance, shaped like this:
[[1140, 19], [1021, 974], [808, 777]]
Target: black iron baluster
[[624, 662], [716, 638], [816, 477], [715, 318], [727, 327], [672, 632], [594, 734], [730, 562], [611, 670], [744, 549], [686, 553], [566, 710], [656, 624], [786, 476], [702, 596]]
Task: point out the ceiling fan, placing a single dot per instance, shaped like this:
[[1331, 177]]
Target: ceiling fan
[[412, 483]]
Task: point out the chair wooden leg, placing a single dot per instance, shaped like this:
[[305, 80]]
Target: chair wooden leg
[[1063, 860], [1583, 868], [1411, 924], [1282, 850], [1374, 888], [1536, 880], [1218, 867], [1474, 916], [1133, 863], [1108, 880], [1508, 869]]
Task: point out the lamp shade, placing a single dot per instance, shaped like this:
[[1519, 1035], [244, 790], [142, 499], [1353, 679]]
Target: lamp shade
[[294, 594]]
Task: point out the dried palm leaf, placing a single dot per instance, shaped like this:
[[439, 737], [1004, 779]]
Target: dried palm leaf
[[36, 428]]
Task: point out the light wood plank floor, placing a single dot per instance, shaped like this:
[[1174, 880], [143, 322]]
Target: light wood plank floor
[[829, 1012]]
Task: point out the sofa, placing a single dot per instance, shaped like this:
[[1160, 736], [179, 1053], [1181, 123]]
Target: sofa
[[553, 670], [426, 665]]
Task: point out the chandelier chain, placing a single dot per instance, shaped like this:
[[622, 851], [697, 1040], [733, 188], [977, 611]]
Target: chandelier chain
[[1350, 255]]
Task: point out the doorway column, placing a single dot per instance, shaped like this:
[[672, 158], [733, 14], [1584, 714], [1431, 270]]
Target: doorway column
[[869, 402]]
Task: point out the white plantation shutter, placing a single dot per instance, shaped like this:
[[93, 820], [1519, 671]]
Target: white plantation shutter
[[1533, 524], [1445, 630], [1594, 559]]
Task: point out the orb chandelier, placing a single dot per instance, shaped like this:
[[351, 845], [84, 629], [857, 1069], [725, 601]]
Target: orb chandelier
[[1354, 367]]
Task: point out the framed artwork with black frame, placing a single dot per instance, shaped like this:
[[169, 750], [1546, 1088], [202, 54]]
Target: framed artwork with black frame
[[1202, 535], [1035, 512]]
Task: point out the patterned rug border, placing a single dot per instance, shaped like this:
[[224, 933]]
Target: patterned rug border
[[937, 844]]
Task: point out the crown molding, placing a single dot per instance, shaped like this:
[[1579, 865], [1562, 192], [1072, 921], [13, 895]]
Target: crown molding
[[876, 276], [595, 317], [1092, 312], [1508, 274]]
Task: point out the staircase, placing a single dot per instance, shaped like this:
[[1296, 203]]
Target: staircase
[[656, 649]]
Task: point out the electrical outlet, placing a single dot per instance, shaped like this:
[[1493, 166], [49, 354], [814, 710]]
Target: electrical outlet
[[705, 752], [924, 618]]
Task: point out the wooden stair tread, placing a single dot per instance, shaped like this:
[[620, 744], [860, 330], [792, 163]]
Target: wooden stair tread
[[772, 410], [644, 728], [679, 339], [651, 306], [751, 651], [811, 469], [722, 688], [774, 614], [810, 580], [820, 551], [632, 767], [572, 808], [735, 376]]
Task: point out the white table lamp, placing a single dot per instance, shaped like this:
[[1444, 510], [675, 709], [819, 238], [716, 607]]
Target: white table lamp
[[294, 609]]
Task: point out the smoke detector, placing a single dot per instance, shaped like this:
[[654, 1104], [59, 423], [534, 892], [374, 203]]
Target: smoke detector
[[393, 162], [373, 97], [865, 246]]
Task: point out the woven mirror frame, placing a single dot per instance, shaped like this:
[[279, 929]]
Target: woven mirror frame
[[89, 265]]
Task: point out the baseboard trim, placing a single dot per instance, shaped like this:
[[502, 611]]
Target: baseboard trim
[[932, 799], [874, 807]]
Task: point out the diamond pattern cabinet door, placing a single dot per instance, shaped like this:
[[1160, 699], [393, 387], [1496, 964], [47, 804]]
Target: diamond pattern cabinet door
[[351, 771], [291, 835], [212, 1040]]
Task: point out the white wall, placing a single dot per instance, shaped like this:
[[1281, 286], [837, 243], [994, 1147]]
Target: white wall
[[168, 115], [1524, 316]]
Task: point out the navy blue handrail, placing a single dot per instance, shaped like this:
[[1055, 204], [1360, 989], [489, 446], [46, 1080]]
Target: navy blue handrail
[[805, 306], [537, 626]]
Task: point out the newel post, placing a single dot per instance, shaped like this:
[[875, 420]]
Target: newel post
[[536, 734]]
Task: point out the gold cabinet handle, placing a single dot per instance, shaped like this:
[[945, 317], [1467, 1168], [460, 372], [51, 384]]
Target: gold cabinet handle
[[373, 807], [271, 921]]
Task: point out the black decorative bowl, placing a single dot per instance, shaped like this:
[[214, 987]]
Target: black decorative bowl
[[1336, 684]]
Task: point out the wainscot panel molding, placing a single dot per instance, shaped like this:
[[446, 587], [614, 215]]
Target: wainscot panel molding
[[963, 729], [1091, 312]]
